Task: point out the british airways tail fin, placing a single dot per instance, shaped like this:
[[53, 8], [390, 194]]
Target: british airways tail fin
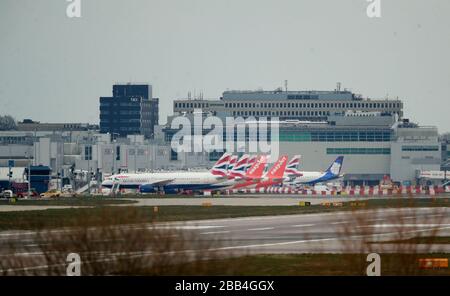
[[239, 168], [251, 161], [292, 167], [221, 166], [231, 163]]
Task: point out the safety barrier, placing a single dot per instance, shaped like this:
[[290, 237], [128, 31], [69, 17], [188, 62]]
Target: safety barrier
[[350, 191]]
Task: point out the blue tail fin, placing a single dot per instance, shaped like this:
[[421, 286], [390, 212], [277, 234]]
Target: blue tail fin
[[336, 166]]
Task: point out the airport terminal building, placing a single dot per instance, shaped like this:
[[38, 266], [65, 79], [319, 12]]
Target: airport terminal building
[[301, 105], [371, 152], [372, 135], [320, 125]]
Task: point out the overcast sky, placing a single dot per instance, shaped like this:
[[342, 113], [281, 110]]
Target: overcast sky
[[54, 69]]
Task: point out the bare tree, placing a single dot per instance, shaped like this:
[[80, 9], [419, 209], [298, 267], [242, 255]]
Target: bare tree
[[7, 123]]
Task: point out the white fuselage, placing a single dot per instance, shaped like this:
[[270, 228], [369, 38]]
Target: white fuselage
[[163, 179], [308, 177]]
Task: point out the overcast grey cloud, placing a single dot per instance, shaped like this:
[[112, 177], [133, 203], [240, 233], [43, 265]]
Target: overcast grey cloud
[[53, 68]]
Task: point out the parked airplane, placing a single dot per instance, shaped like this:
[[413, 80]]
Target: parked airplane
[[311, 178], [173, 182], [228, 172]]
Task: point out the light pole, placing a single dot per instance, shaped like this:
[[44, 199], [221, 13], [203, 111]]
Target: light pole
[[34, 146], [29, 174], [89, 178], [9, 169], [113, 159], [135, 155], [57, 165], [62, 162], [88, 156]]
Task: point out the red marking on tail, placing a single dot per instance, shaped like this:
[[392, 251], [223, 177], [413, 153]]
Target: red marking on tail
[[257, 169], [277, 170]]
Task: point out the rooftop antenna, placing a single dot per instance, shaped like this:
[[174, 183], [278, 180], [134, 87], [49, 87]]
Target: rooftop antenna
[[189, 95], [286, 85], [338, 87]]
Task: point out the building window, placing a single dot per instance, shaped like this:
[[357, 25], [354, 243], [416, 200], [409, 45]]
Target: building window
[[87, 152], [215, 155], [338, 136], [173, 155], [420, 148], [370, 151], [117, 152]]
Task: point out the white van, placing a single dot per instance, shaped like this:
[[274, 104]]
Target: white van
[[67, 188], [7, 194]]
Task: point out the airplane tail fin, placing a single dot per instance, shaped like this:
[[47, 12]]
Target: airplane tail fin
[[231, 163], [239, 168], [292, 166], [257, 169], [221, 166], [251, 161], [336, 166], [277, 170]]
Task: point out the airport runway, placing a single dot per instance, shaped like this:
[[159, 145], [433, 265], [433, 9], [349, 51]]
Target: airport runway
[[326, 232], [305, 233]]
